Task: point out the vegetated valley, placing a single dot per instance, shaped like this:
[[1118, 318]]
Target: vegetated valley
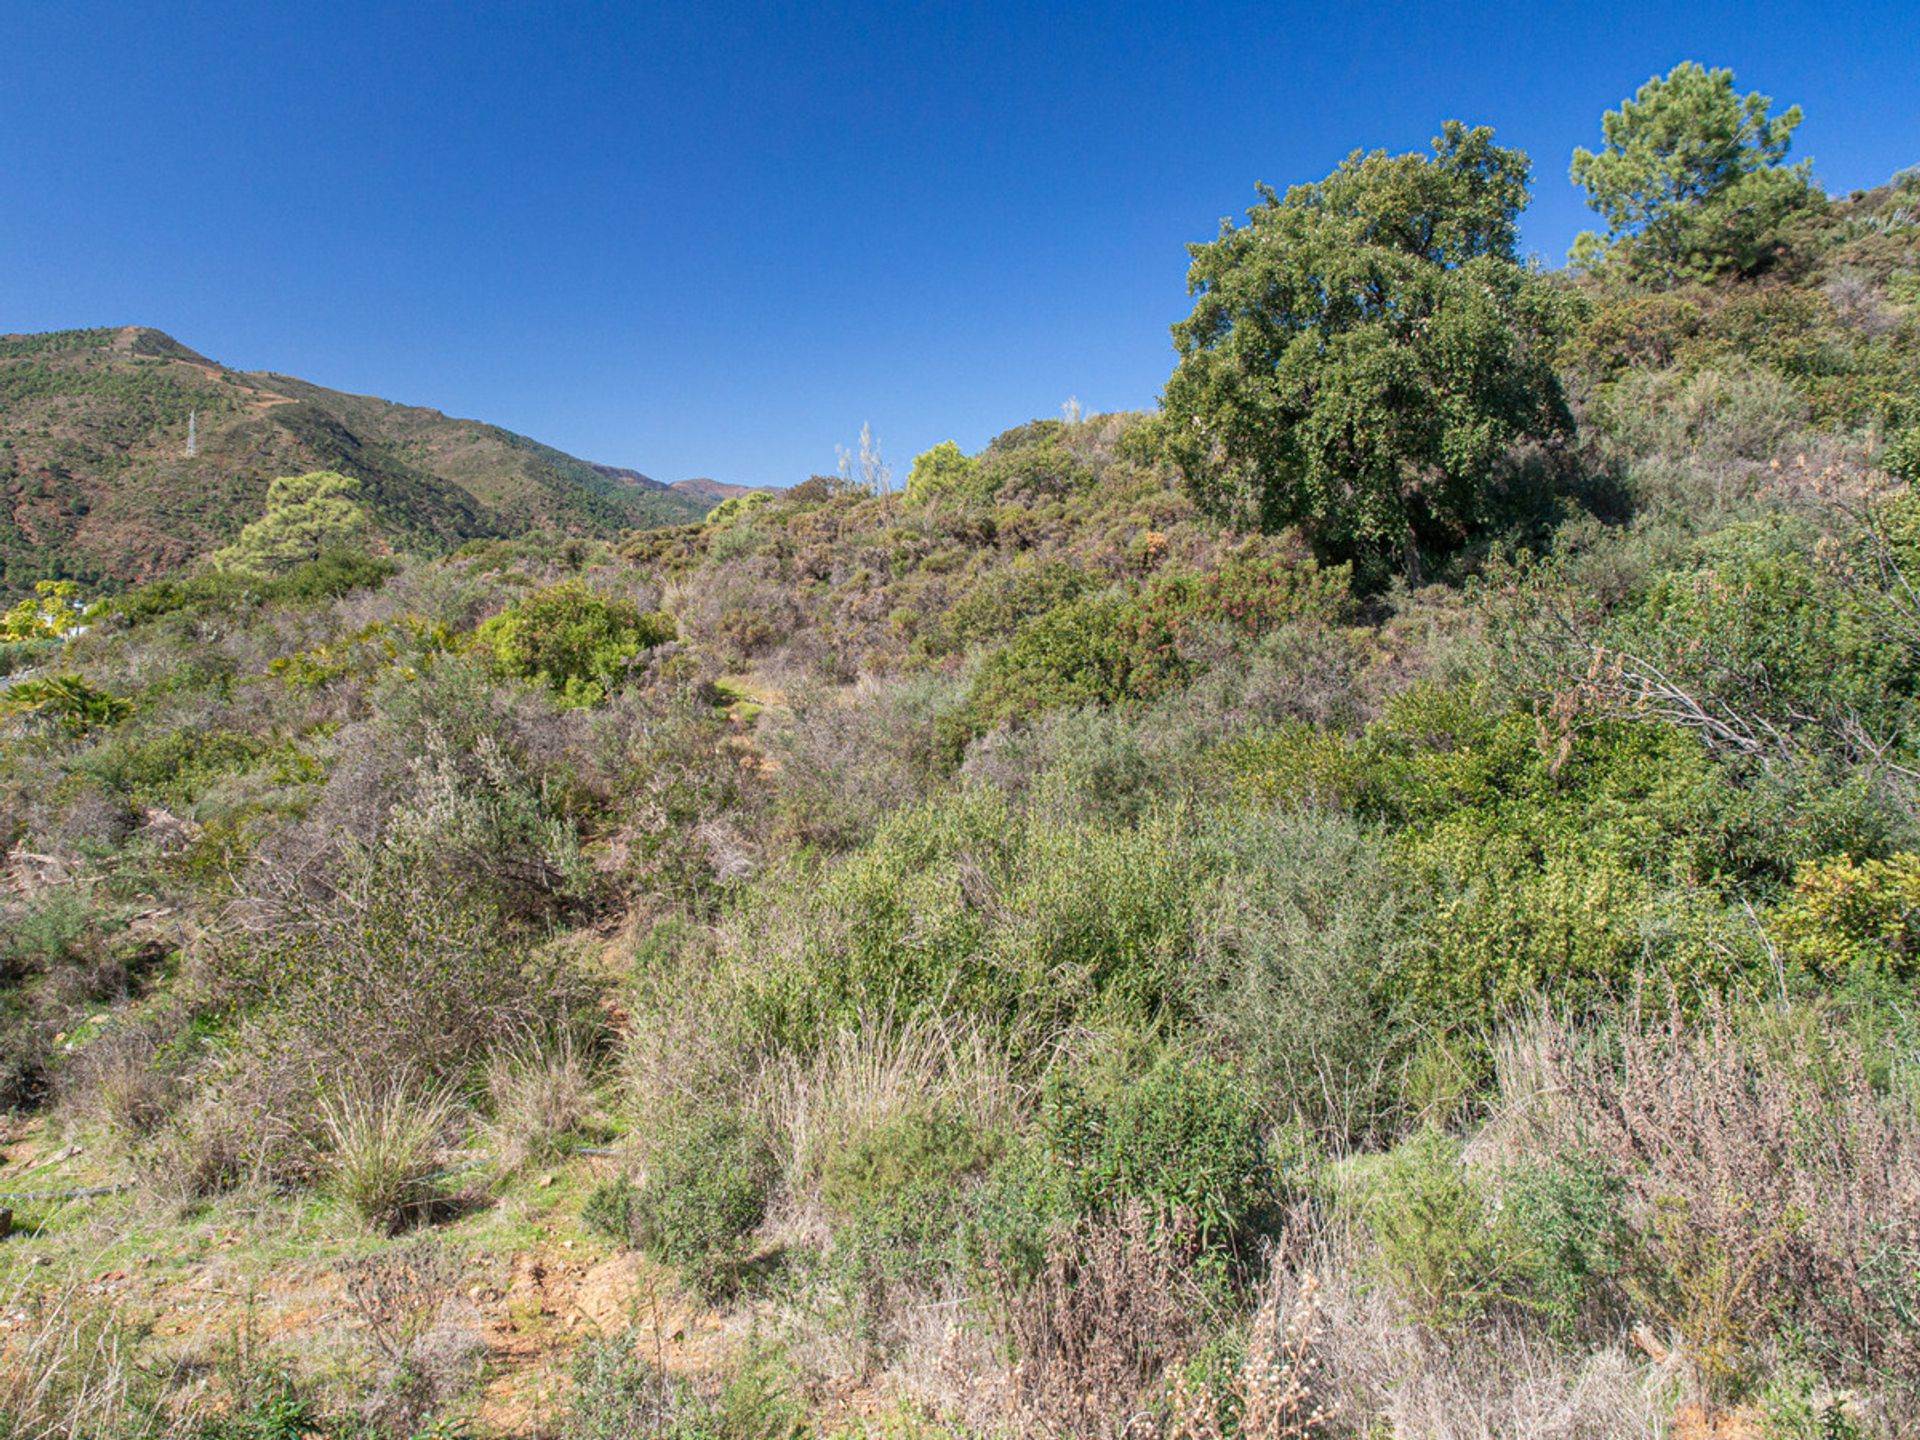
[[1377, 899]]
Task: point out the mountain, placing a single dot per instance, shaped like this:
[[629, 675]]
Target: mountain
[[96, 481], [714, 491]]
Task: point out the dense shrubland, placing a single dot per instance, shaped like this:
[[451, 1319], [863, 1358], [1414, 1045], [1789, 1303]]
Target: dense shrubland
[[1059, 965]]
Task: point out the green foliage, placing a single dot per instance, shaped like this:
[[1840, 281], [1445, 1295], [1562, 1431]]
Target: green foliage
[[959, 906], [1564, 1215], [736, 508], [307, 515], [1848, 921], [917, 1151], [335, 573], [575, 642], [54, 928], [620, 1394], [943, 470], [70, 703], [1308, 931], [1691, 181], [1180, 1132], [287, 1415], [1363, 352], [1078, 653], [1901, 456], [1438, 1236], [52, 613], [612, 1208], [705, 1191]]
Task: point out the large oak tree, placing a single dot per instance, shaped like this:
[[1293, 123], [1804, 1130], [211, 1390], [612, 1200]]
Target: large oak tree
[[1364, 351]]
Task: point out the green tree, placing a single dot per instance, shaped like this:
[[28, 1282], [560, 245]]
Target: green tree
[[1363, 351], [1691, 180], [306, 516], [52, 614]]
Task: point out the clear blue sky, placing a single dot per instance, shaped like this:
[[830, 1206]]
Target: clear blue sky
[[713, 239]]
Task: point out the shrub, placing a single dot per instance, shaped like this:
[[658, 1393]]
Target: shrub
[[914, 1151], [1769, 1192], [56, 928], [612, 1208], [1302, 937], [1179, 1133], [1115, 1304], [1437, 1234], [1250, 596], [943, 470], [1846, 920], [484, 828], [1075, 654], [575, 642], [1564, 1217], [705, 1191], [619, 1393], [66, 702]]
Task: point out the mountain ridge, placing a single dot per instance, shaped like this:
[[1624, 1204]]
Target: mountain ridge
[[99, 481]]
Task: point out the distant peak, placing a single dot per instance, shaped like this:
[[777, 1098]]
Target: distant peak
[[146, 341]]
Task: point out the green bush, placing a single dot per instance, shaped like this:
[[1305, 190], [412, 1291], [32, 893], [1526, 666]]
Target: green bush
[[70, 703], [1179, 1132], [1308, 930], [572, 640], [1436, 1234], [963, 907], [943, 470], [705, 1191], [1078, 653], [1565, 1218], [914, 1152], [612, 1208]]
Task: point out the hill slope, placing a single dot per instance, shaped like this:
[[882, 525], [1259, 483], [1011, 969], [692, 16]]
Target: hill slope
[[95, 481]]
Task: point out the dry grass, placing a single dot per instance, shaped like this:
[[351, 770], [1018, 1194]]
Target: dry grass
[[116, 1082], [67, 1368], [815, 1106], [384, 1146], [1381, 1372], [1769, 1188], [541, 1089]]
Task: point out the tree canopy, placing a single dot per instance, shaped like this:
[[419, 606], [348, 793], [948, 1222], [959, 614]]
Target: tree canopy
[[1691, 179], [306, 516], [1364, 350]]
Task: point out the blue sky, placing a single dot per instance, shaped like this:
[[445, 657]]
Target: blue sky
[[713, 239]]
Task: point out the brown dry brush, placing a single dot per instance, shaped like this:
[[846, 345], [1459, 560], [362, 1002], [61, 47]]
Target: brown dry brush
[[1774, 1195], [1279, 1391], [1114, 1305], [1104, 1333]]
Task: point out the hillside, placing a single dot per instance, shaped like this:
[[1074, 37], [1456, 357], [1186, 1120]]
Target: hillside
[[1113, 938], [95, 482], [714, 490]]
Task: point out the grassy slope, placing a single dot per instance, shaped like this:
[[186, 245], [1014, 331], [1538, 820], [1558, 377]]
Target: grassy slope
[[95, 482]]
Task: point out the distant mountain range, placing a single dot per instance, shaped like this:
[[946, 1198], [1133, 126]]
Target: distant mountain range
[[124, 454]]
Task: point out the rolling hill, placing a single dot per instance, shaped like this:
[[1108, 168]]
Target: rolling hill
[[96, 481]]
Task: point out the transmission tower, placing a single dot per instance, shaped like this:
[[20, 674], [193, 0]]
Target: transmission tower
[[193, 433]]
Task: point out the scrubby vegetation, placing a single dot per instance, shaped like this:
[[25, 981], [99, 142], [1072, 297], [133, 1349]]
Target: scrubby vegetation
[[1022, 956]]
